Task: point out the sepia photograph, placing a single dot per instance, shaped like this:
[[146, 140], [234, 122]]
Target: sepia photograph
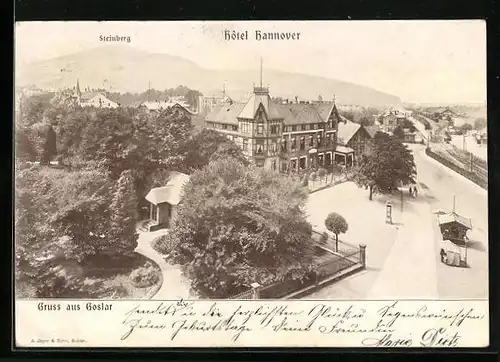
[[250, 160]]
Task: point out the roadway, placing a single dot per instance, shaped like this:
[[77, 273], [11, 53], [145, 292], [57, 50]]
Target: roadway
[[405, 263]]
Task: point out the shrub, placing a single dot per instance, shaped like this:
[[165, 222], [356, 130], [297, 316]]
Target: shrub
[[336, 224], [145, 276], [322, 173], [165, 244]]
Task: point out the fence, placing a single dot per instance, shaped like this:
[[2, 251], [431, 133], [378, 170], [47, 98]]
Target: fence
[[478, 175], [330, 263]]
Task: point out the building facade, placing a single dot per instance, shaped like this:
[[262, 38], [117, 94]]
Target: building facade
[[164, 201], [286, 137], [207, 103], [355, 137]]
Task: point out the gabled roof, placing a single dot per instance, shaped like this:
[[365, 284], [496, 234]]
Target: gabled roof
[[86, 96], [300, 113], [226, 112], [291, 113], [346, 131], [372, 130], [170, 193], [324, 109], [453, 217], [253, 104]]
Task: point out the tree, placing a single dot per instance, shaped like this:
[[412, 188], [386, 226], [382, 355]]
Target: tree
[[237, 225], [25, 150], [479, 123], [365, 121], [337, 225], [389, 165], [208, 145], [399, 132], [320, 98], [466, 127], [60, 218], [349, 115], [192, 98], [229, 149], [123, 215], [49, 147]]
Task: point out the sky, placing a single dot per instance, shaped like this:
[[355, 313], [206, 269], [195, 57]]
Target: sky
[[420, 61]]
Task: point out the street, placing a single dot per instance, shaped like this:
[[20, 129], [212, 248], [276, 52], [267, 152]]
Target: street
[[403, 259]]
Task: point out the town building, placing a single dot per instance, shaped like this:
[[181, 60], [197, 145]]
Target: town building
[[289, 137], [91, 98], [177, 107], [164, 201], [355, 137], [96, 99], [395, 119], [207, 103]]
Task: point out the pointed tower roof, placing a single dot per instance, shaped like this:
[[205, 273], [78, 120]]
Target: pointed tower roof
[[259, 97], [77, 89]]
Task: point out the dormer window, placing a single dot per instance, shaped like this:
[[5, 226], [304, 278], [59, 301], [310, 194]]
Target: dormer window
[[260, 128]]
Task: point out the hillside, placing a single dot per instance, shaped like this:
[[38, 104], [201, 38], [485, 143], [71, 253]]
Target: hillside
[[122, 68]]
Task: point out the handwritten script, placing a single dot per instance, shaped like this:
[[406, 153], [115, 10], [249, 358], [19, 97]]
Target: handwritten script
[[386, 326]]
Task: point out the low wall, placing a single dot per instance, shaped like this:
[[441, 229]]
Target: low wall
[[474, 177]]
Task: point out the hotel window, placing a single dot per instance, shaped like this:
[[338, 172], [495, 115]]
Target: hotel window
[[283, 144], [235, 128], [303, 127], [224, 126], [294, 128], [311, 141], [260, 128], [319, 140], [328, 139], [245, 144], [259, 149], [293, 146], [284, 166], [274, 129], [320, 159], [273, 146], [315, 125], [302, 143]]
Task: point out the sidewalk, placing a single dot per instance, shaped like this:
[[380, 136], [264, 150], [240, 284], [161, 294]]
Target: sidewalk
[[410, 270], [401, 258], [366, 220], [174, 284]]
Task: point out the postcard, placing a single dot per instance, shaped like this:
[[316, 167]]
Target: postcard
[[251, 184]]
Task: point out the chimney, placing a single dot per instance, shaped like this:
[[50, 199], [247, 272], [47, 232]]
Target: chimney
[[296, 99]]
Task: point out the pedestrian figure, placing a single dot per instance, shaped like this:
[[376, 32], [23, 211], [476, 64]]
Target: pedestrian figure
[[411, 191]]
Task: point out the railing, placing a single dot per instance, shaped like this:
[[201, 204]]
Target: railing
[[332, 263], [478, 175], [244, 295]]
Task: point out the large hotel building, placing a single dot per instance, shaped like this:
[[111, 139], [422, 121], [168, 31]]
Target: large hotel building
[[282, 136]]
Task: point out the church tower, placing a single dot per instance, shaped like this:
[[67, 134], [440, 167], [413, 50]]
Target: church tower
[[78, 91]]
